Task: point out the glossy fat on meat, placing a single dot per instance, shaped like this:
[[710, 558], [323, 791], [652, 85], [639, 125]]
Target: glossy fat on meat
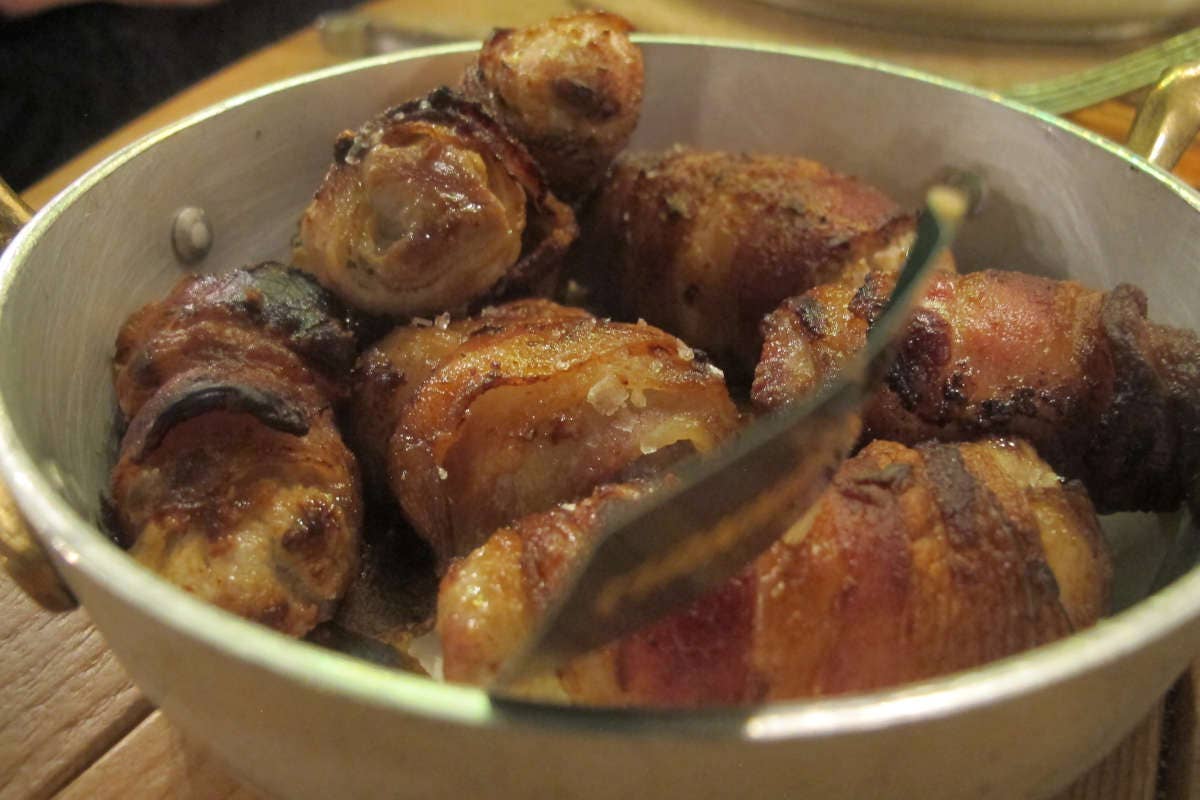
[[914, 563], [704, 244], [538, 404], [432, 207], [1106, 396], [261, 522], [390, 372], [489, 600], [570, 89]]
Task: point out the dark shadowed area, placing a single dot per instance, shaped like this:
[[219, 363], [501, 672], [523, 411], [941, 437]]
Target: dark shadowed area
[[71, 75]]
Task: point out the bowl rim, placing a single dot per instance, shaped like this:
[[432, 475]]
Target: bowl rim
[[78, 545]]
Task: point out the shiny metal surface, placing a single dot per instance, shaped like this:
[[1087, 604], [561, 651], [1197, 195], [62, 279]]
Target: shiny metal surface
[[21, 555], [191, 235], [305, 722], [1167, 122], [13, 214]]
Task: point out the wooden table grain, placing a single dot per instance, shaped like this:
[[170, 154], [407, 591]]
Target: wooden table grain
[[72, 725]]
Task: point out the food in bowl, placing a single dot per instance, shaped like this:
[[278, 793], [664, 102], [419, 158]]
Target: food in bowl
[[914, 563], [707, 243], [1106, 396], [525, 405], [432, 353]]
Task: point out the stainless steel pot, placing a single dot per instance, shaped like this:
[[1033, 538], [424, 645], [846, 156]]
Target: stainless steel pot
[[303, 722]]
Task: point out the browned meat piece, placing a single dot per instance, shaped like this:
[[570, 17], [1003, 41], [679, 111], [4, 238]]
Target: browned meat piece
[[390, 371], [705, 244], [523, 407], [239, 490], [914, 563], [489, 601], [269, 316], [1106, 396], [809, 338], [930, 561], [570, 89], [432, 207]]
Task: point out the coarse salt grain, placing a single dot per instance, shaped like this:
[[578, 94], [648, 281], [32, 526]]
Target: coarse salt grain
[[608, 395]]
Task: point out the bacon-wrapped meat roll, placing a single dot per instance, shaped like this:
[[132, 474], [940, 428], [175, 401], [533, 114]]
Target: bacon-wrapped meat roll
[[232, 479], [570, 89], [1106, 396], [705, 244], [525, 406], [914, 563], [432, 207]]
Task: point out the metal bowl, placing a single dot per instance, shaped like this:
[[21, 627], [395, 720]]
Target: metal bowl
[[303, 722]]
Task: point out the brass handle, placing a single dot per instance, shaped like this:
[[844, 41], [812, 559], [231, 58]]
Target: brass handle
[[13, 214], [1169, 118], [21, 554]]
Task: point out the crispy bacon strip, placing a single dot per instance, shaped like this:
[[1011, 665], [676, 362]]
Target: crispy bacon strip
[[705, 244], [432, 207], [524, 406], [914, 563], [391, 371], [570, 89], [267, 315], [1105, 395]]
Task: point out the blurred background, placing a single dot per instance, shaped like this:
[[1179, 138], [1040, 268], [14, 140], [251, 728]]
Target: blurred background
[[73, 72], [69, 75]]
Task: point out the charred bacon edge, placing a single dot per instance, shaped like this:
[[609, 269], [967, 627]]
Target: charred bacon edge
[[281, 305], [193, 395], [315, 324], [1137, 435]]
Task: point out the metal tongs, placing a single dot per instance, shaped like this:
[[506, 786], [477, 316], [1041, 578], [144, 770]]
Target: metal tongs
[[731, 505]]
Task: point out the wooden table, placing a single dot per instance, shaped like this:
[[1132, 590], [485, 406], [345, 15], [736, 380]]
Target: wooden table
[[71, 723]]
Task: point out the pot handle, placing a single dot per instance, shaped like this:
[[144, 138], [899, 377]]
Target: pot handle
[[1169, 117], [21, 554]]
